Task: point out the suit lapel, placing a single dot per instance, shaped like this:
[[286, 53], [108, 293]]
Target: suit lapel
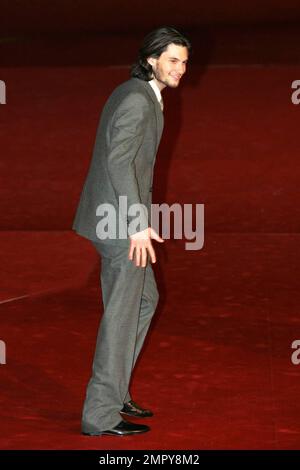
[[158, 112]]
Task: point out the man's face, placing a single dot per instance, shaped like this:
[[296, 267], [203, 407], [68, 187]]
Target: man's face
[[170, 66]]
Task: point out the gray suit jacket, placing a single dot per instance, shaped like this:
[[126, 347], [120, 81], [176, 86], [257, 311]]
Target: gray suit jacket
[[127, 141]]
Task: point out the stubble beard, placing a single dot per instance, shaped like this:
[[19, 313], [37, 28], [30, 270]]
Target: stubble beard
[[166, 82]]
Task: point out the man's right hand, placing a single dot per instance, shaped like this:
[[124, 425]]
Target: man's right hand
[[141, 247]]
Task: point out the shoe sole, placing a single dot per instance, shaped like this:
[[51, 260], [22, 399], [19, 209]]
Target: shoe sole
[[135, 416], [108, 433]]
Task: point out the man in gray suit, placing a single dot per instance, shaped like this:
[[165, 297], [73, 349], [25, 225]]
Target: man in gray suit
[[127, 141]]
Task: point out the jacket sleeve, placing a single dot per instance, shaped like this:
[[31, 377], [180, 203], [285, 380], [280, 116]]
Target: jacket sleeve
[[126, 138]]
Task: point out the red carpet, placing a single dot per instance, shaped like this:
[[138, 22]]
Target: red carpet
[[217, 367]]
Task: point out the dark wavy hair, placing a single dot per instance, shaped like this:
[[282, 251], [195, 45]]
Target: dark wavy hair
[[154, 44]]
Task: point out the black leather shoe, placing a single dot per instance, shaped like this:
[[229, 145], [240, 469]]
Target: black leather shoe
[[132, 409], [124, 428]]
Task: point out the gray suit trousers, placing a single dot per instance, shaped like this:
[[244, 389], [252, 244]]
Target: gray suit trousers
[[130, 298]]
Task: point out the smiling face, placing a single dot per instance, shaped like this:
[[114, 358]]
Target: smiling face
[[170, 66]]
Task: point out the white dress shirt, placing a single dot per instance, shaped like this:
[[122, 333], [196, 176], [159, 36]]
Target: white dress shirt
[[156, 91]]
